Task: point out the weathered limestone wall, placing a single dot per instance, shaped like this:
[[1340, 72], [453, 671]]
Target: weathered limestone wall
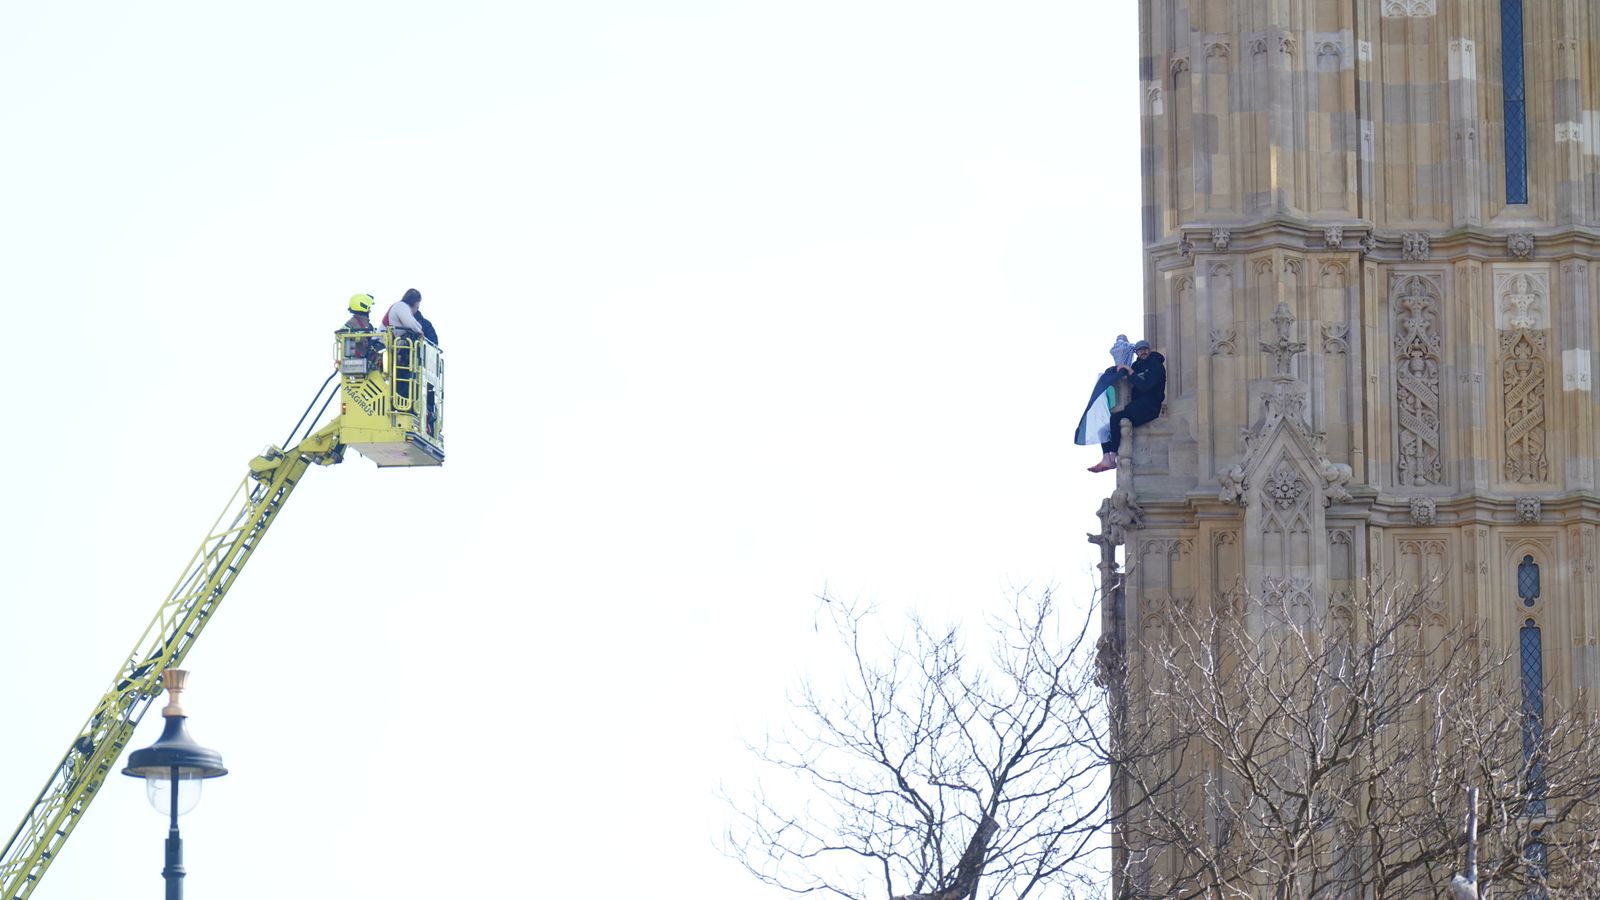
[[1379, 368], [1331, 177]]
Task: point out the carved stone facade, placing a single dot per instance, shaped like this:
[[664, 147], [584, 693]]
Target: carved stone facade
[[1522, 362], [1379, 367], [1409, 7]]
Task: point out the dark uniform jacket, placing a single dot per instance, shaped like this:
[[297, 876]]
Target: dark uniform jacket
[[1149, 384]]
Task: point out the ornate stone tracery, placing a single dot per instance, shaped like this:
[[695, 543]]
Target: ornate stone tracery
[[1523, 381], [1520, 299], [1283, 350], [1417, 346], [1335, 337], [1423, 564], [1284, 487], [1408, 8]]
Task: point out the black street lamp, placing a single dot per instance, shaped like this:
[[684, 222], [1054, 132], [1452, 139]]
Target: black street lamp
[[173, 768]]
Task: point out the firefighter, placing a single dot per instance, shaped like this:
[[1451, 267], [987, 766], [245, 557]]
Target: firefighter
[[367, 348]]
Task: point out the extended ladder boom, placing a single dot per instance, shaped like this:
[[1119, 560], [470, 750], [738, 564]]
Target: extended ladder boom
[[212, 570], [391, 411]]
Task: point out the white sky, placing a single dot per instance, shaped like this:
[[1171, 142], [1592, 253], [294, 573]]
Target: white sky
[[741, 301]]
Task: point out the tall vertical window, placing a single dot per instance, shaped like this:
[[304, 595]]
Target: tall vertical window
[[1528, 581], [1537, 858], [1516, 105], [1533, 713]]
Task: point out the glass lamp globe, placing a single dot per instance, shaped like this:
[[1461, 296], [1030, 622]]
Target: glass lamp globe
[[175, 761], [158, 788]]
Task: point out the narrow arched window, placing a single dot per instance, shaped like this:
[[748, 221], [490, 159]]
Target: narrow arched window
[[1537, 858], [1515, 99], [1528, 581], [1533, 713]]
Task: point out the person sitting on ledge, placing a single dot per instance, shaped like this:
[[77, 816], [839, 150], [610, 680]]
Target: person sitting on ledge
[[1147, 377]]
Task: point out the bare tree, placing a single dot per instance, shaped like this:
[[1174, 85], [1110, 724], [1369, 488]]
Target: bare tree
[[1274, 751], [934, 774]]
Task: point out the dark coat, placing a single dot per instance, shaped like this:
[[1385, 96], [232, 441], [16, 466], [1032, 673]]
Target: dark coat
[[1149, 384]]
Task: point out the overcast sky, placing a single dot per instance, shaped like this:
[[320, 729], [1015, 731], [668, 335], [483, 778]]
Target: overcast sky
[[741, 302]]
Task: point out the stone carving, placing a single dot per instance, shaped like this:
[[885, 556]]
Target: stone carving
[[1220, 238], [1222, 342], [1283, 350], [1417, 401], [1333, 236], [1225, 568], [1335, 337], [1423, 511], [1258, 46], [1124, 514], [1108, 549], [1523, 380], [1521, 299], [1414, 246], [1178, 66], [1408, 8], [1330, 48], [1369, 243], [1154, 96], [1185, 247], [1233, 485], [1288, 397], [1288, 44], [1520, 245], [1335, 482], [1292, 595], [1341, 559], [1284, 486], [1287, 496], [1528, 509], [1423, 565]]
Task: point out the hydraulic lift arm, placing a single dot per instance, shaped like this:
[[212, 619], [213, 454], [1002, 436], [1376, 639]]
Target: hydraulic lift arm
[[390, 411], [212, 570]]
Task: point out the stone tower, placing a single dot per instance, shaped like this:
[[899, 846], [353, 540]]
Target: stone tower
[[1371, 236]]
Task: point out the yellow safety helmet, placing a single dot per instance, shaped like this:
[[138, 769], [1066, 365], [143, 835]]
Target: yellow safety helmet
[[361, 303]]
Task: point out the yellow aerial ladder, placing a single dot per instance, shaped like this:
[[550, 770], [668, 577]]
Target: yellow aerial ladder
[[391, 390]]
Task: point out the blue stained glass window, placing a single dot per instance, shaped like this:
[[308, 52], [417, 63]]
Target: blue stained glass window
[[1516, 104], [1528, 581], [1533, 713], [1537, 856]]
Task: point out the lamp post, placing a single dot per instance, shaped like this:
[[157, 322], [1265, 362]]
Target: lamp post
[[173, 768]]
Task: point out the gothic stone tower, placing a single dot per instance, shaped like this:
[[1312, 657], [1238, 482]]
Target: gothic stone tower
[[1372, 250]]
